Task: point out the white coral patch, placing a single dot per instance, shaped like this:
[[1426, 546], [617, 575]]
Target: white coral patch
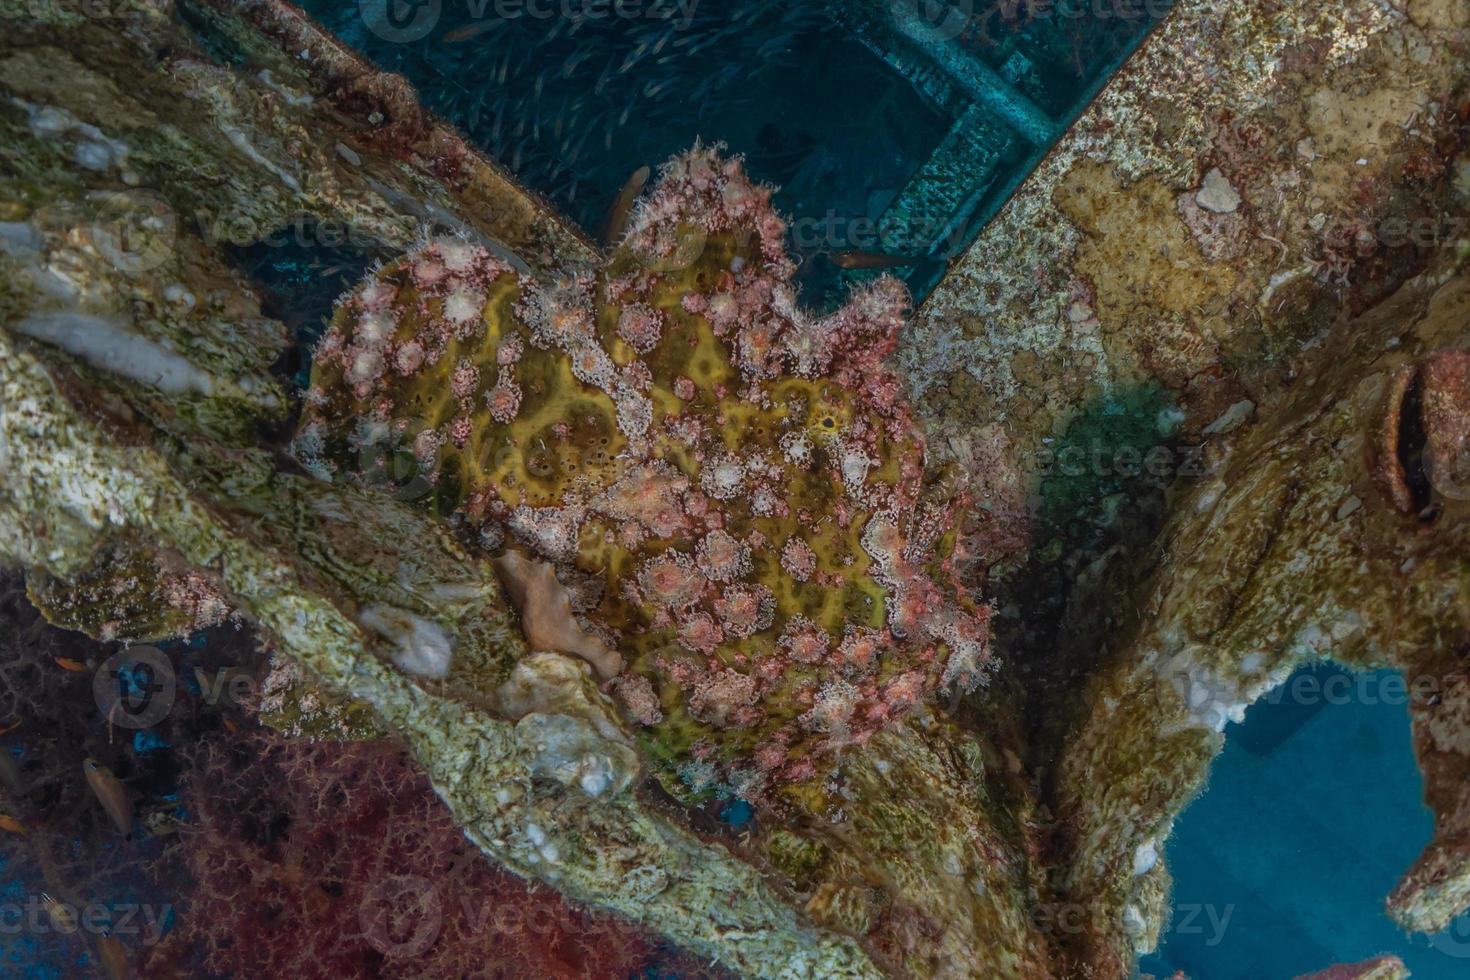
[[1145, 857], [592, 366], [855, 466], [635, 412], [426, 445], [106, 344], [1214, 697], [464, 306], [552, 531], [376, 294], [722, 478], [409, 358], [365, 365], [798, 560], [375, 327], [420, 646], [833, 709], [572, 752], [458, 254], [671, 580], [641, 326], [504, 400], [798, 448]]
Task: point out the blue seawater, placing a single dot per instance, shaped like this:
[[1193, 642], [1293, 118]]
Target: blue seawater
[[831, 101], [1311, 814]]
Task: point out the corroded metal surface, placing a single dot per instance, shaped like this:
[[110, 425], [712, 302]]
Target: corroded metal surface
[[1108, 265], [1197, 246], [455, 184]]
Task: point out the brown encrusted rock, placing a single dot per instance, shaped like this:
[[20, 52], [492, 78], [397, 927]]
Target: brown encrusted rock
[[1378, 968]]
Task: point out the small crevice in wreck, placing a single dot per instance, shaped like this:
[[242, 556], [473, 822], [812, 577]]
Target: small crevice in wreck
[[1408, 451]]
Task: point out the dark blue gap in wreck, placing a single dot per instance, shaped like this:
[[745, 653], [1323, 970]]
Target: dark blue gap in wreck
[[1311, 814], [897, 126], [300, 270]]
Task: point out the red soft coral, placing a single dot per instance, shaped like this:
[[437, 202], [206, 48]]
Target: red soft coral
[[336, 860]]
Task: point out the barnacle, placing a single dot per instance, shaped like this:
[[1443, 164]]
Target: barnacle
[[732, 490]]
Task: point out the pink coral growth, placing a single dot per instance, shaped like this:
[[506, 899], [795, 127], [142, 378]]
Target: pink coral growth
[[725, 699], [638, 699], [744, 610], [783, 416], [641, 326], [452, 275], [804, 641], [721, 557], [757, 300]]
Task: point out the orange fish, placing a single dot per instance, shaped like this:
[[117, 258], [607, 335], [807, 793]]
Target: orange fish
[[7, 822], [469, 32], [114, 956], [9, 728], [66, 663], [856, 259]]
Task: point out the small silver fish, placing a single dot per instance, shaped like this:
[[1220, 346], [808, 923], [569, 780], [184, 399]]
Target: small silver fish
[[63, 918], [10, 776], [110, 793]]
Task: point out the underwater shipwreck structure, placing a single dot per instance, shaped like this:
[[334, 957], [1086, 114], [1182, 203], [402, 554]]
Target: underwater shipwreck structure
[[958, 599]]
